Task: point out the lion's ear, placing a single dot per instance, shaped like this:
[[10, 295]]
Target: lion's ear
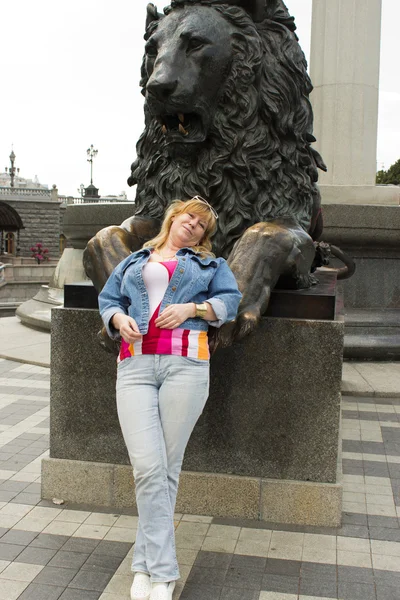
[[152, 14], [259, 9], [267, 9]]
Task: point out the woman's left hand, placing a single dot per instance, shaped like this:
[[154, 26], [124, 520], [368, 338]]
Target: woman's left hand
[[173, 315]]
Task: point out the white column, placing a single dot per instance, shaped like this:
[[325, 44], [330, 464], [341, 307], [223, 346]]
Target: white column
[[344, 68]]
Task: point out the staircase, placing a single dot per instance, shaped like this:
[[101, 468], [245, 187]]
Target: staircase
[[372, 334]]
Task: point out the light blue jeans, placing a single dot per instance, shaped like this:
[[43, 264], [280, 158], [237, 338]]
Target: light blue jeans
[[159, 399]]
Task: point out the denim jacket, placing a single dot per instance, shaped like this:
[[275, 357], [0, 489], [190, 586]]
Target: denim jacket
[[195, 279]]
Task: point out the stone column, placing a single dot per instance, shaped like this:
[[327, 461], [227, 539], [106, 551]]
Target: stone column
[[344, 65]]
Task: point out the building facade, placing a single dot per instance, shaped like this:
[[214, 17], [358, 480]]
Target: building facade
[[41, 212]]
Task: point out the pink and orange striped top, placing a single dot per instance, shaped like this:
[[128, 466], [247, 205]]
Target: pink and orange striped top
[[180, 342]]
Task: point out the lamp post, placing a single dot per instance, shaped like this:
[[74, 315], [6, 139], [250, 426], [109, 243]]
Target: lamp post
[[12, 170], [92, 153], [81, 190]]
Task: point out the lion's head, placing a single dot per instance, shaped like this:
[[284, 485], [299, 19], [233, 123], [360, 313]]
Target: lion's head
[[227, 116]]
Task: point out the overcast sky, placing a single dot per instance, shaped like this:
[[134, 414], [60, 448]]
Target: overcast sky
[[70, 79]]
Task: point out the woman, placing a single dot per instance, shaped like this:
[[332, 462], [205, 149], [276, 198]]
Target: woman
[[160, 300]]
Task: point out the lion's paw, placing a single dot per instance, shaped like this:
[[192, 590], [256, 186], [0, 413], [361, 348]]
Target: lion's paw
[[246, 322]]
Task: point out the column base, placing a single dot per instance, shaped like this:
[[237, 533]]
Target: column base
[[385, 195], [212, 494]]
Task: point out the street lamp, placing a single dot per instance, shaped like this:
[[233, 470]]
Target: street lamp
[[92, 153], [81, 190], [12, 170]]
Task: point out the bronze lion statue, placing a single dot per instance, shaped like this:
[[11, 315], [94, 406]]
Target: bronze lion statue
[[227, 116]]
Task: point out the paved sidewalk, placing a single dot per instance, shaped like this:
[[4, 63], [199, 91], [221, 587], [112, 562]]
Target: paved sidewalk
[[23, 344], [66, 552]]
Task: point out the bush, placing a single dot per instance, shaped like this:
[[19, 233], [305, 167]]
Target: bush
[[39, 253]]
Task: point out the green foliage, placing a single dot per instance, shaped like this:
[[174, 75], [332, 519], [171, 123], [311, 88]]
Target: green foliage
[[391, 176]]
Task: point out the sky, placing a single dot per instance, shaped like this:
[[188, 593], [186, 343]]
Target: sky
[[71, 79]]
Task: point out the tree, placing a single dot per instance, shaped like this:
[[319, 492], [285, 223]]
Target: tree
[[391, 176]]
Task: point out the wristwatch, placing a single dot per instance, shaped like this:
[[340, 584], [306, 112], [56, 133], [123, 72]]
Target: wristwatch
[[201, 310]]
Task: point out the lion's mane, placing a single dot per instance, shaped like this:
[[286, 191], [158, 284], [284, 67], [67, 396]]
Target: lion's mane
[[257, 164]]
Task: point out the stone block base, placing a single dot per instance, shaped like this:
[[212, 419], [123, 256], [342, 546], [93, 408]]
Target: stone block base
[[384, 195], [213, 494]]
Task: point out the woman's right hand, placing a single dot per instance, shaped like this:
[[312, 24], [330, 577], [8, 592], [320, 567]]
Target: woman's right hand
[[127, 327]]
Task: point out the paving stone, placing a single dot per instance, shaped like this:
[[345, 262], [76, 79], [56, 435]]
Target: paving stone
[[354, 518], [205, 575], [355, 574], [228, 593], [394, 470], [378, 521], [36, 556], [318, 570], [48, 540], [280, 583], [69, 560], [91, 580], [5, 456], [6, 496], [73, 594], [215, 560], [200, 592], [3, 531], [12, 589], [113, 548], [352, 469], [383, 533], [9, 551], [376, 469], [389, 578], [352, 446], [41, 592], [312, 586], [13, 486], [277, 566], [384, 592], [85, 545], [31, 499], [358, 531], [356, 591], [242, 577], [372, 448], [55, 576], [16, 536], [254, 563], [33, 488], [101, 562]]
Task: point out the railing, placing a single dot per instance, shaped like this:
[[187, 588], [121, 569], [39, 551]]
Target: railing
[[2, 269], [9, 191], [66, 201]]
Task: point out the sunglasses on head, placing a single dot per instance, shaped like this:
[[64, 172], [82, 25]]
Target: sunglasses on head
[[204, 201]]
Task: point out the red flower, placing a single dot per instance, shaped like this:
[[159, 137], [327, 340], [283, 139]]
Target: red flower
[[45, 249]]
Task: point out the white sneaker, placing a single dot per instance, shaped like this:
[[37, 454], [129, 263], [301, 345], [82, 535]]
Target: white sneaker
[[162, 591], [141, 587]]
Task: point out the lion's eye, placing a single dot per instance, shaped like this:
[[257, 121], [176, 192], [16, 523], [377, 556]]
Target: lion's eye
[[151, 49], [195, 44]]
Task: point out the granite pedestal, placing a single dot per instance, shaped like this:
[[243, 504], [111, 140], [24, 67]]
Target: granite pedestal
[[371, 236], [265, 447]]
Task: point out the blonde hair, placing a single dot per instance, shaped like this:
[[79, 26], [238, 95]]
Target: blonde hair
[[178, 207]]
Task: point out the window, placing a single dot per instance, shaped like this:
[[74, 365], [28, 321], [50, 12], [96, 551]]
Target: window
[[10, 243], [63, 242]]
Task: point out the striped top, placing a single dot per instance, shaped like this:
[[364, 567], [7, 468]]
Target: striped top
[[180, 342]]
